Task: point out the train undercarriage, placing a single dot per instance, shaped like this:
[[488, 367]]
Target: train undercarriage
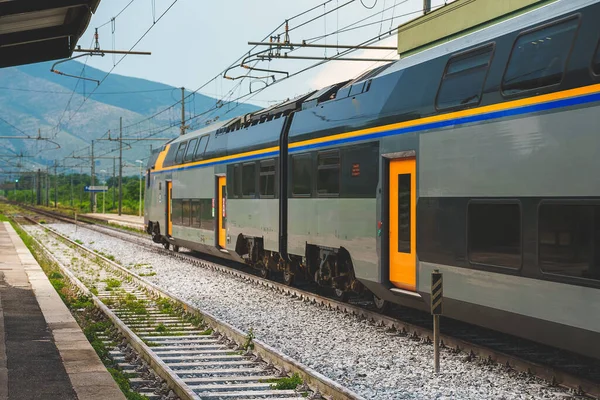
[[329, 268]]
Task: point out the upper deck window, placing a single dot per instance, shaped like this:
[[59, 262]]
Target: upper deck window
[[596, 62], [180, 152], [201, 147], [539, 58], [462, 84], [189, 154]]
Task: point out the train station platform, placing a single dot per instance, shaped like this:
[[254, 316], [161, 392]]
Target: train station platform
[[130, 221], [43, 352]]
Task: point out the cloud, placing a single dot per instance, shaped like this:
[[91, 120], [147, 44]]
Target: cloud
[[337, 71]]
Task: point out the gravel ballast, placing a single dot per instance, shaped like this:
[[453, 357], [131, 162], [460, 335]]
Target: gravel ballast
[[369, 360]]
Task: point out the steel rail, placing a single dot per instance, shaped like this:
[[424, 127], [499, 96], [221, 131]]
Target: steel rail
[[315, 380], [550, 374]]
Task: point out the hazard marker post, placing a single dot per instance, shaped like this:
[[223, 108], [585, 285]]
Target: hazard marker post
[[437, 295]]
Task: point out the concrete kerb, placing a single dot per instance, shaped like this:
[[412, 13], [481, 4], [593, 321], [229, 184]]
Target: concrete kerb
[[314, 379], [161, 369]]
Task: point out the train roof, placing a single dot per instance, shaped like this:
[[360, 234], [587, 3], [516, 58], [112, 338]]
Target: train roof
[[485, 34]]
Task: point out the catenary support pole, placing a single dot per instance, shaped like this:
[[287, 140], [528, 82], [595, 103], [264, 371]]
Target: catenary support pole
[[182, 111], [120, 164], [55, 186], [93, 181], [114, 182], [39, 187], [47, 186]]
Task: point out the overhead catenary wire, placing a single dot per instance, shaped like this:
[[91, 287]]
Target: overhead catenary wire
[[122, 58]]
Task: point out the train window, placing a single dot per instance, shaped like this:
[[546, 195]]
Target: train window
[[538, 58], [189, 154], [201, 149], [404, 213], [328, 173], [236, 181], [249, 179], [596, 62], [207, 220], [494, 234], [196, 216], [176, 211], [569, 240], [301, 172], [267, 178], [186, 213], [180, 152], [462, 84], [147, 178]]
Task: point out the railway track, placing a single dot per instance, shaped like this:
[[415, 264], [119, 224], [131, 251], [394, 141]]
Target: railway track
[[559, 368], [197, 355]]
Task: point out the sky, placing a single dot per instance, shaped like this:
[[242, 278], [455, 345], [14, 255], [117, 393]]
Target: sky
[[195, 40]]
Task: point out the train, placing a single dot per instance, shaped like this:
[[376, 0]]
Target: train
[[473, 156]]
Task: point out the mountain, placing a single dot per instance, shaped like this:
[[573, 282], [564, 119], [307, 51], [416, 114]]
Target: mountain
[[32, 98]]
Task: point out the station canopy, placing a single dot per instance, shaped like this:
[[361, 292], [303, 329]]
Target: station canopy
[[41, 30]]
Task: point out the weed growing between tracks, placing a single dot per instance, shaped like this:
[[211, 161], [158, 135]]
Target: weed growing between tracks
[[92, 322]]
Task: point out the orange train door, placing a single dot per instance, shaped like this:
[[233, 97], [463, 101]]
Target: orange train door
[[169, 207], [402, 235], [221, 215]]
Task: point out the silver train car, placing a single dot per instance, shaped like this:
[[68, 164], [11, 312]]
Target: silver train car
[[475, 157]]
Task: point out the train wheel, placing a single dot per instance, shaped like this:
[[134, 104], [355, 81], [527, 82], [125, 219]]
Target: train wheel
[[176, 249], [264, 272], [166, 245], [288, 276], [340, 294], [381, 304]]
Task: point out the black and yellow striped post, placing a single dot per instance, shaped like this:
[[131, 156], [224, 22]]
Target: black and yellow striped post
[[437, 295]]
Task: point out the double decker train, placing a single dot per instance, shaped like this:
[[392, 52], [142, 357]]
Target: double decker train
[[475, 156]]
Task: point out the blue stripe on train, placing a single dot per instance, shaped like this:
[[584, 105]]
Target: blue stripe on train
[[551, 105]]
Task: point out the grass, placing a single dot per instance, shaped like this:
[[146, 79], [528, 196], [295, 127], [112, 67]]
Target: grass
[[147, 274], [248, 345], [105, 255], [112, 283], [130, 303], [286, 383], [78, 241]]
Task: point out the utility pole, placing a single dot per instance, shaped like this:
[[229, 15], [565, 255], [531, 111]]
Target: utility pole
[[120, 164], [183, 111], [47, 185], [39, 187], [93, 171], [114, 182], [71, 201], [55, 187]]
